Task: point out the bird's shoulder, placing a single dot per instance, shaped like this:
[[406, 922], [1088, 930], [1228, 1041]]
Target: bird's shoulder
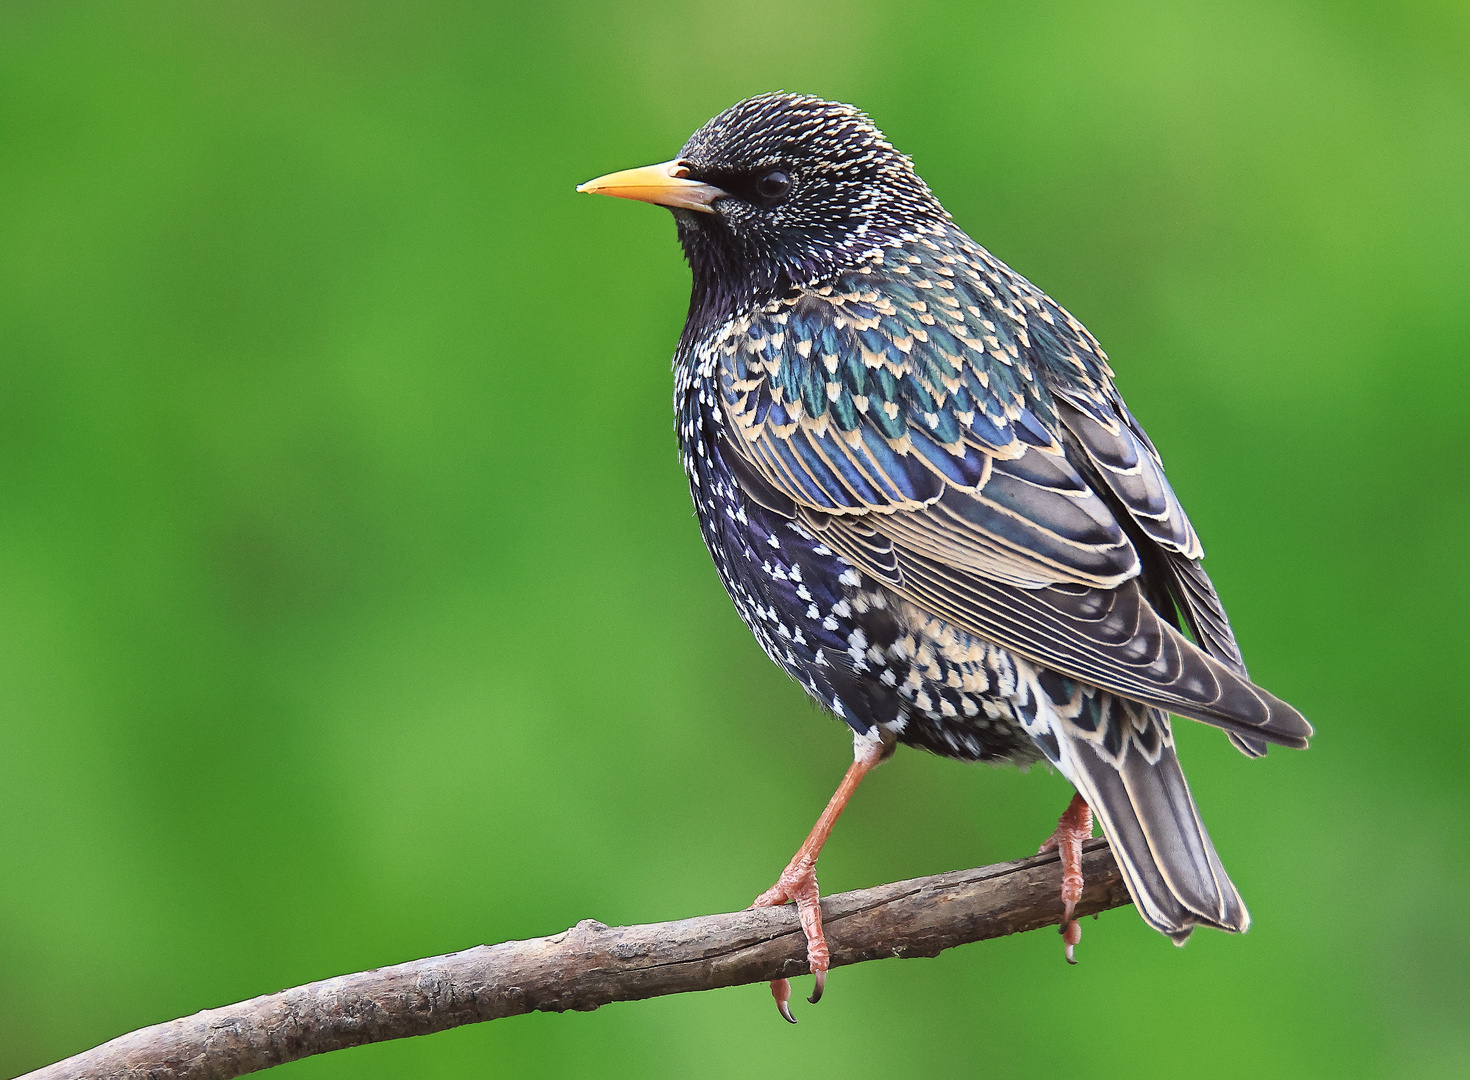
[[934, 347], [937, 387], [935, 352], [955, 435]]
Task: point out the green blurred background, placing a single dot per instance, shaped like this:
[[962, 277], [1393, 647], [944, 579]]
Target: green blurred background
[[352, 605]]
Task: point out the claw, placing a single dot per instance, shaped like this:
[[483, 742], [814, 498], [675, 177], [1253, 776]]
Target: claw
[[781, 991], [819, 985], [1071, 934]]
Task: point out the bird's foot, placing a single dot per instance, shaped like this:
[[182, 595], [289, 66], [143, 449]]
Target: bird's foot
[[798, 882], [1074, 827]]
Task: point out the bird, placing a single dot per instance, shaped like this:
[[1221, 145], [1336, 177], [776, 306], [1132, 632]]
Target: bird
[[927, 500]]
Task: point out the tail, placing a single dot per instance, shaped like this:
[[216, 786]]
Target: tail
[[1129, 774]]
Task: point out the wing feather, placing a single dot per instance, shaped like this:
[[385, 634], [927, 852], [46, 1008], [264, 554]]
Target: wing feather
[[1110, 638], [952, 432]]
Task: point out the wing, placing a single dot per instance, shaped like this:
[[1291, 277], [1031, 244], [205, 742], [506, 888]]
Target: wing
[[1110, 448], [1110, 638], [900, 393], [954, 433]]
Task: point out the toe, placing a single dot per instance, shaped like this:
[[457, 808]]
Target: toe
[[781, 991]]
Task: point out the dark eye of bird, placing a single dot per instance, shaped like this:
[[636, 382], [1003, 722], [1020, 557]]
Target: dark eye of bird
[[773, 185]]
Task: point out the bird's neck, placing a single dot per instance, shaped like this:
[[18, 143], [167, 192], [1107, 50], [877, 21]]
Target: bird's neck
[[724, 283]]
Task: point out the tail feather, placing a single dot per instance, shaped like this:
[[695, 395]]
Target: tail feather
[[1248, 745], [1162, 847]]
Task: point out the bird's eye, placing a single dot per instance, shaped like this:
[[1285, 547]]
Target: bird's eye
[[773, 185]]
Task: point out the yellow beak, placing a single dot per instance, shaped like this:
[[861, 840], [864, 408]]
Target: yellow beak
[[664, 184]]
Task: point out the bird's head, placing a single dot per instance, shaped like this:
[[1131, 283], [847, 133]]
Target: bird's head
[[780, 190]]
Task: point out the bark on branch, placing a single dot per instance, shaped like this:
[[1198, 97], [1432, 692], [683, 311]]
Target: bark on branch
[[591, 965]]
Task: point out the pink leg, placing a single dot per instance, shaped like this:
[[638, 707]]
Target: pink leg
[[1074, 827], [798, 881]]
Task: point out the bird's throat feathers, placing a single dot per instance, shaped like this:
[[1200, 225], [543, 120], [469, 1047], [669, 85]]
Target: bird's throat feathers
[[724, 281], [729, 278]]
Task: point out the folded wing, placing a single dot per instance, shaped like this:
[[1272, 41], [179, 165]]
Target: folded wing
[[956, 435]]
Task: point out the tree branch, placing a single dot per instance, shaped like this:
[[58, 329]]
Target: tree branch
[[591, 965]]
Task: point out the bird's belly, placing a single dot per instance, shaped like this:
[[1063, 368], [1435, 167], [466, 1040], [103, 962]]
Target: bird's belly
[[861, 651], [962, 696]]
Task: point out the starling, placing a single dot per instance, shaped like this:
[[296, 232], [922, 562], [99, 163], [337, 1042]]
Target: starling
[[930, 505]]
